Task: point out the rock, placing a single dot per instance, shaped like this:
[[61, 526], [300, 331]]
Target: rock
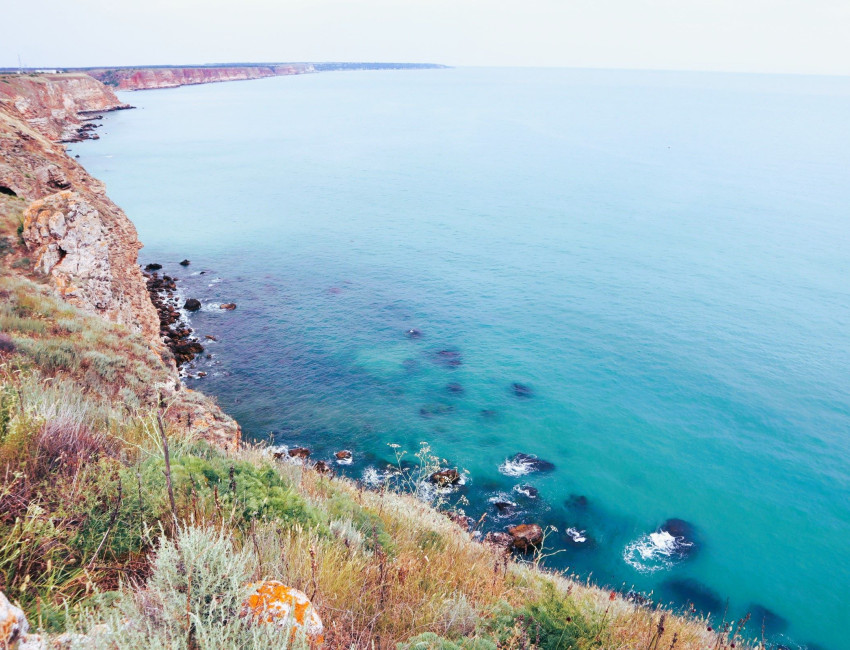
[[448, 358], [210, 337], [521, 390], [323, 468], [230, 306], [763, 618], [505, 508], [299, 452], [185, 263], [526, 537], [153, 266], [637, 598], [684, 535], [528, 491], [192, 304], [499, 540], [344, 457], [274, 602], [699, 596], [461, 519], [413, 334], [576, 502], [454, 388], [13, 623], [445, 477], [521, 464]]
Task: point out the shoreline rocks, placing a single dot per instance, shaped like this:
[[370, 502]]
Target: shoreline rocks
[[174, 332], [526, 537]]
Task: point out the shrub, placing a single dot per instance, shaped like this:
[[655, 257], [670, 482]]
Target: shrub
[[431, 641]]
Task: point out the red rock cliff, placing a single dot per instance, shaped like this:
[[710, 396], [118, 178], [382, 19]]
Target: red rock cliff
[[52, 104], [148, 78]]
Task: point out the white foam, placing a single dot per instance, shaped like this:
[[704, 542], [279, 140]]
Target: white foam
[[519, 467], [577, 535], [345, 461], [520, 489], [654, 552]]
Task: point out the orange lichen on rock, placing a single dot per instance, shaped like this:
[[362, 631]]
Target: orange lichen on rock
[[274, 602]]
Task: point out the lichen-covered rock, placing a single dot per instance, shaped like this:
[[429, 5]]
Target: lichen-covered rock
[[13, 624], [274, 602]]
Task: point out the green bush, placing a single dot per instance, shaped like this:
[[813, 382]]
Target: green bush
[[431, 641]]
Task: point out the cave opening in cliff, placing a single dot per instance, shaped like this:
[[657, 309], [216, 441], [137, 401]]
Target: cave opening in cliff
[[8, 191]]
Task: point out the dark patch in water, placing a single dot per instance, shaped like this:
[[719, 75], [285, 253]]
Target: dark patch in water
[[761, 616], [691, 591], [447, 358], [685, 535], [488, 414], [521, 390], [577, 502], [413, 333], [455, 388]]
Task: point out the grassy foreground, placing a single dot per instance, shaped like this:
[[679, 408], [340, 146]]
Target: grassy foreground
[[102, 545]]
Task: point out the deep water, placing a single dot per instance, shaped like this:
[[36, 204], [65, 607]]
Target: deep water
[[660, 260]]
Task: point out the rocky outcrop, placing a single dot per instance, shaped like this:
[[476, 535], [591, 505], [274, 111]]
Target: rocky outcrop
[[149, 78], [88, 248], [79, 242], [57, 105]]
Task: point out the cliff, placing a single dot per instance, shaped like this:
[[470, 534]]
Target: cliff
[[56, 105], [166, 77], [73, 239]]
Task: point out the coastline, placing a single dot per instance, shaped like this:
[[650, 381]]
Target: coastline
[[52, 183]]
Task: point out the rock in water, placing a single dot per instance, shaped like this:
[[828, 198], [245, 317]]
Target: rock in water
[[526, 537], [274, 602], [446, 477], [192, 304], [153, 266], [13, 623], [344, 457], [499, 540], [521, 390], [228, 305], [299, 452], [185, 263]]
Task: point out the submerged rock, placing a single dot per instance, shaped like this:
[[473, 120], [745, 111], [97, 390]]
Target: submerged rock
[[762, 617], [505, 508], [413, 333], [192, 304], [577, 502], [700, 597], [447, 358], [521, 390], [526, 537], [455, 388], [684, 534]]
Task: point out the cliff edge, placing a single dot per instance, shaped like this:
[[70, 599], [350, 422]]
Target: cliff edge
[[74, 239]]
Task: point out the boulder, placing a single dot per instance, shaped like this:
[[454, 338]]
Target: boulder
[[192, 304], [505, 508], [528, 491], [413, 334], [275, 603], [445, 477], [185, 263], [526, 537], [230, 306], [13, 623], [299, 452], [153, 266], [323, 468], [344, 457]]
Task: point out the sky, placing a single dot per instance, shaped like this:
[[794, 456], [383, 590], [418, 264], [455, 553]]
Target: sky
[[778, 36]]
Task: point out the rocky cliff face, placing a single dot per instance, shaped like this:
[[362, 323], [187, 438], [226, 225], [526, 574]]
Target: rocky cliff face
[[149, 78], [56, 105], [78, 241]]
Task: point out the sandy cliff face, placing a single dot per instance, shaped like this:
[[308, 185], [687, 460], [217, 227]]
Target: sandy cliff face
[[149, 78], [52, 103], [80, 242]]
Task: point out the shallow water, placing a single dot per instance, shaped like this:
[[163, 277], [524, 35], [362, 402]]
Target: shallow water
[[661, 259]]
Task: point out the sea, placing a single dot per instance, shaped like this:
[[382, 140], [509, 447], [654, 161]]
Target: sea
[[638, 280]]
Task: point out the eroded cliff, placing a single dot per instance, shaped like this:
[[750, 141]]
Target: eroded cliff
[[74, 239], [149, 78]]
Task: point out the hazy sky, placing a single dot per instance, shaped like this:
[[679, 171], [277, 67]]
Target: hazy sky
[[807, 36]]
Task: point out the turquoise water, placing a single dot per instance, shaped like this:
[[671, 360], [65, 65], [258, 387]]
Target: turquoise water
[[661, 258]]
